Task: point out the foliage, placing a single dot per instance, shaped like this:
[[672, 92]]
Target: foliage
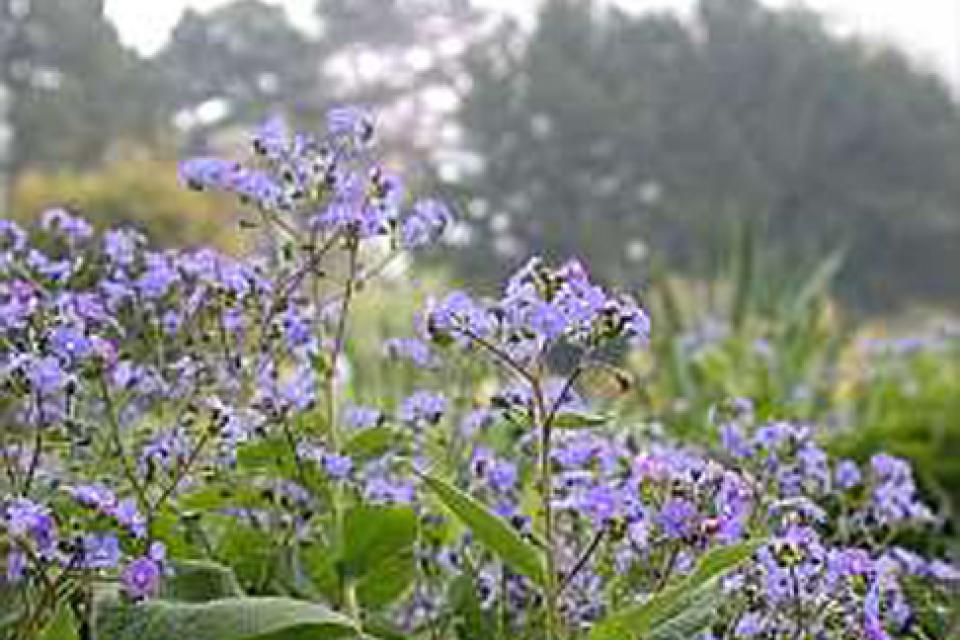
[[763, 331], [74, 89], [134, 191], [187, 447], [903, 395]]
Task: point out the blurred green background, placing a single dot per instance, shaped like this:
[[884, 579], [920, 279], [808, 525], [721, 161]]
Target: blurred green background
[[783, 195]]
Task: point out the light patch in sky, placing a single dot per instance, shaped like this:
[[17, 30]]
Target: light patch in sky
[[928, 29], [145, 25]]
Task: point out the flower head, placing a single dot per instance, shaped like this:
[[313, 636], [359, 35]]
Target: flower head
[[141, 577]]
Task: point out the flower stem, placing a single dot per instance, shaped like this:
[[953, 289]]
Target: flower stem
[[348, 595], [552, 592]]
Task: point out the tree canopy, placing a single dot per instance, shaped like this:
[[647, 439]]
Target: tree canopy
[[616, 132]]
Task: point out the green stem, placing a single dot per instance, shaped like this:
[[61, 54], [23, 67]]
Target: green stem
[[114, 422], [348, 595], [552, 592]]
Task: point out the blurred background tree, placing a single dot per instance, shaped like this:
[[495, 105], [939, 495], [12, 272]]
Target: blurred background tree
[[72, 89], [608, 133], [231, 65]]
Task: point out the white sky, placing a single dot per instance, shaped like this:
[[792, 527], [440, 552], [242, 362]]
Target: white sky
[[928, 29]]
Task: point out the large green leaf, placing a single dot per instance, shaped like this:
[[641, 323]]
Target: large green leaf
[[200, 581], [490, 530], [373, 534], [378, 552], [227, 619], [251, 553], [389, 581], [682, 610], [63, 625]]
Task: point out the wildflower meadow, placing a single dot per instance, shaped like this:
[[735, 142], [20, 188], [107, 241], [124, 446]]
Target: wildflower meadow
[[192, 445]]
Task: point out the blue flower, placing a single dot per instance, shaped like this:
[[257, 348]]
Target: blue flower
[[129, 516], [336, 466], [733, 440], [46, 375], [412, 349], [601, 503], [750, 625], [678, 518], [272, 137], [33, 521], [74, 228], [120, 245], [141, 578], [13, 239], [208, 173], [847, 474], [70, 343], [158, 277], [425, 224], [362, 417], [423, 407], [96, 496], [101, 551], [352, 123]]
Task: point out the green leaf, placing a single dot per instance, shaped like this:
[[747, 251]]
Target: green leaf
[[682, 610], [62, 626], [249, 552], [267, 455], [378, 551], [475, 623], [490, 530], [817, 283], [200, 581], [227, 619], [320, 566], [370, 443], [576, 420], [373, 534], [387, 583]]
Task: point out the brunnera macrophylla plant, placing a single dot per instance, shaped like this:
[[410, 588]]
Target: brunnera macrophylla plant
[[184, 452]]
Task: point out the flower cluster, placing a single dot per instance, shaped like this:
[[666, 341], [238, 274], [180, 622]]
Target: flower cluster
[[132, 375], [329, 183], [632, 517], [540, 307]]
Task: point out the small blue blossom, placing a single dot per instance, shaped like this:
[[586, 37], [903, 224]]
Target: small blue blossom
[[362, 417], [847, 475], [73, 228], [425, 224], [423, 407], [141, 577], [678, 518], [101, 551], [337, 467]]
